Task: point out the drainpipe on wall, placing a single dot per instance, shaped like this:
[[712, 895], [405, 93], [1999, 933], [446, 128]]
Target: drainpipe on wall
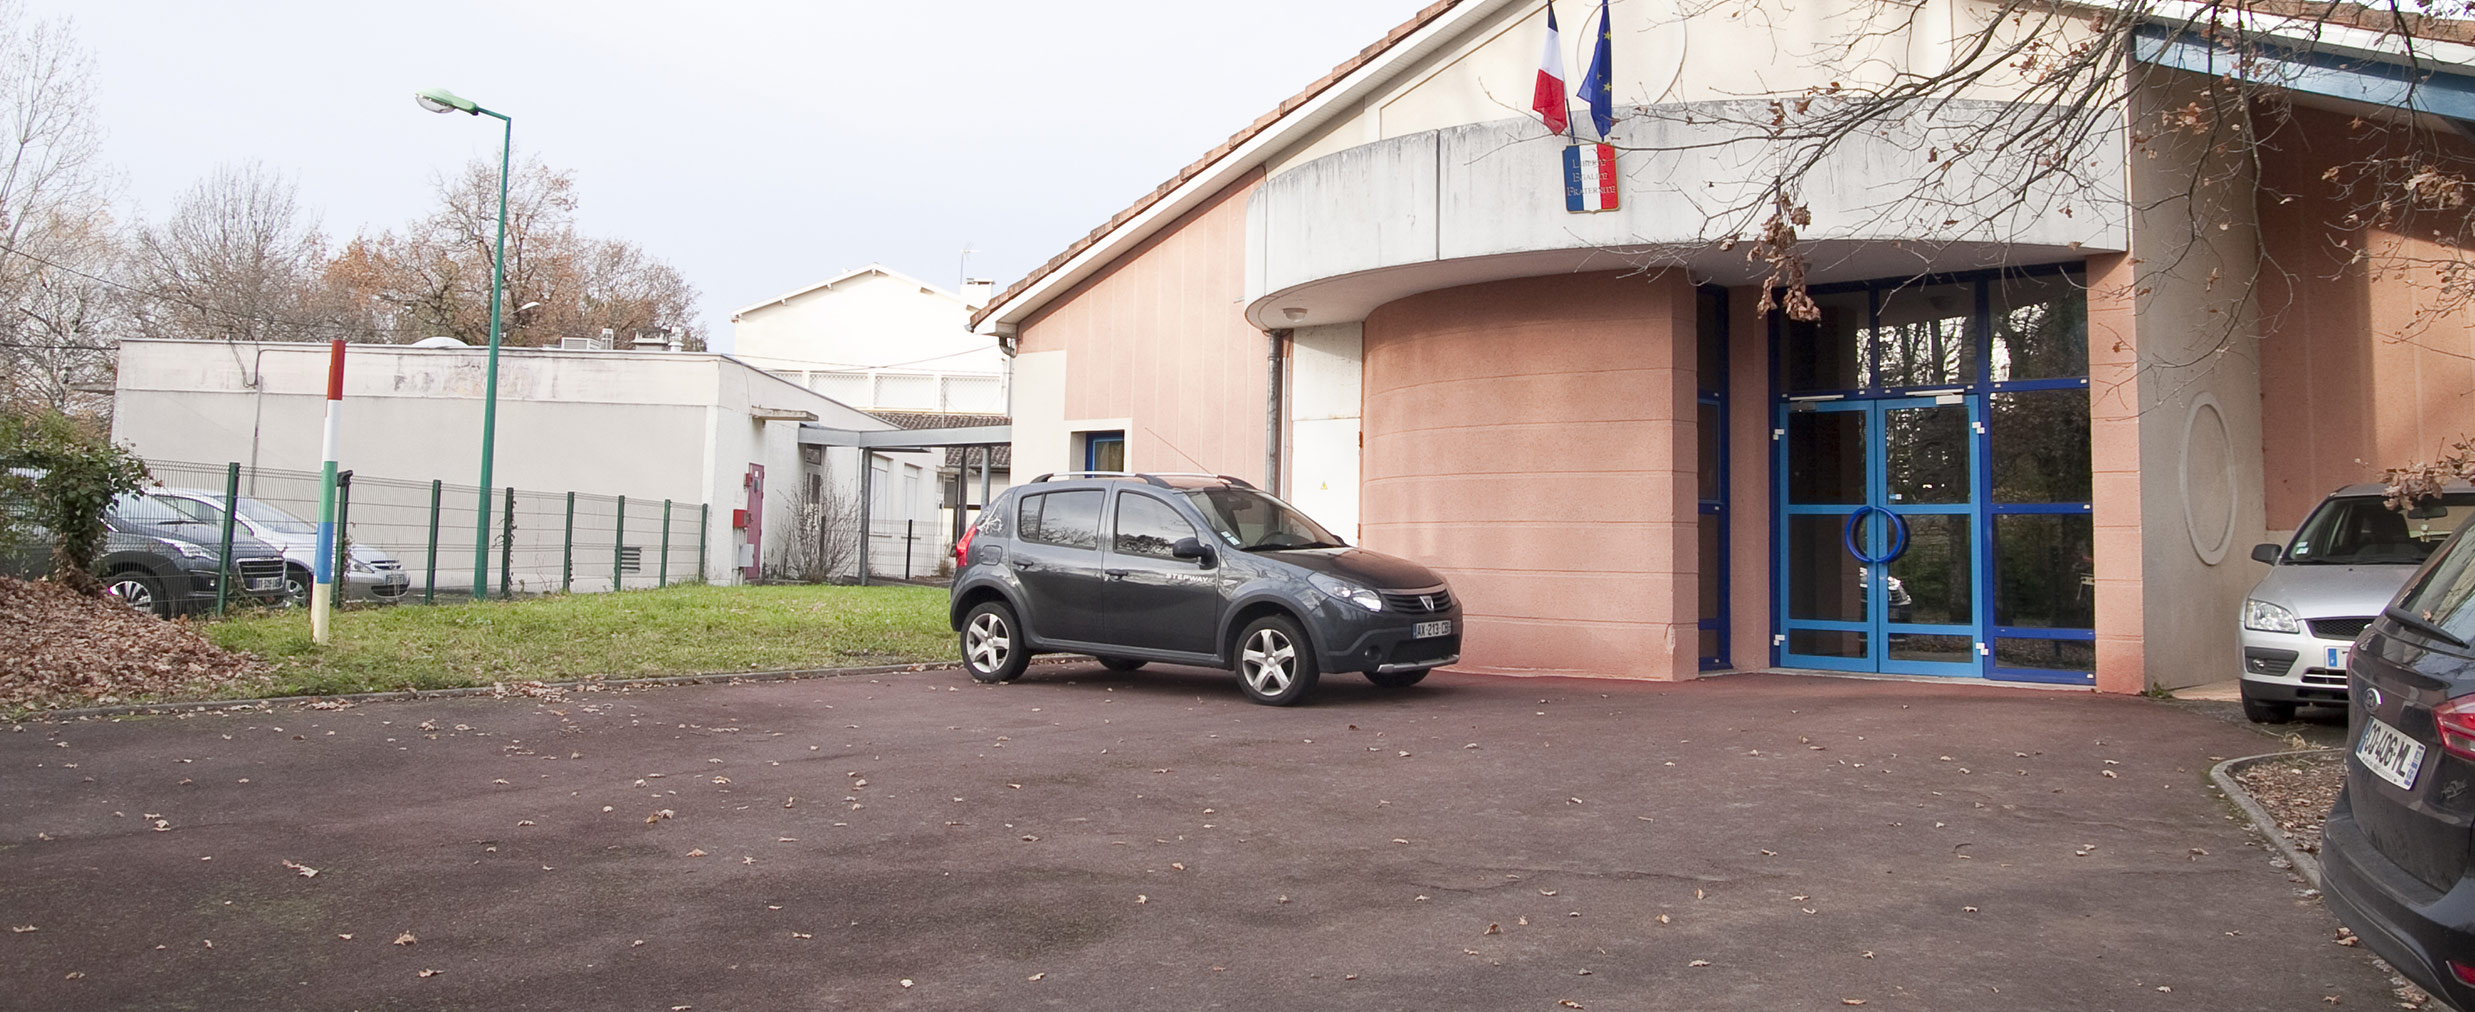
[[1271, 408]]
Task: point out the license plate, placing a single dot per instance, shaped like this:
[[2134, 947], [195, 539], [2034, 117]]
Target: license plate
[[1430, 630], [2338, 657], [267, 583], [2389, 753]]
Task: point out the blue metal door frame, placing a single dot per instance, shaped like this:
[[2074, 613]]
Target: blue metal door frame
[[1874, 534]]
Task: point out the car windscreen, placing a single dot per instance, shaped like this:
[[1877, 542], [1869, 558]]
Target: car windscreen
[[1252, 521], [2364, 531], [274, 519], [146, 509]]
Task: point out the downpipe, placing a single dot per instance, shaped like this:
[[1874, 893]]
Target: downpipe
[[1273, 348]]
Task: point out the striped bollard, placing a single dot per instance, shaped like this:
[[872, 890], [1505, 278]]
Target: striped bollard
[[321, 608]]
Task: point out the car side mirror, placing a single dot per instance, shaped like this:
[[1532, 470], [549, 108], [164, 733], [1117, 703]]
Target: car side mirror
[[2265, 553], [1190, 548]]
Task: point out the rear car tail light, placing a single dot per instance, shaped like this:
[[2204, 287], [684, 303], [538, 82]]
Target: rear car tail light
[[962, 549], [2465, 973], [2457, 725]]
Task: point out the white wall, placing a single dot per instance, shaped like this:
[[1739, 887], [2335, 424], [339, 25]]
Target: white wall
[[1041, 442], [1325, 370], [877, 339], [647, 425]]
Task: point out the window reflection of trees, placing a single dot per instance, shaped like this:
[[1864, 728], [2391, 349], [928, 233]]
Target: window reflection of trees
[[1147, 527], [2040, 446], [1924, 338], [2040, 329], [1066, 519]]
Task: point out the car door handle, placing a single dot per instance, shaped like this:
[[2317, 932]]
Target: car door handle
[[1025, 565], [1118, 574]]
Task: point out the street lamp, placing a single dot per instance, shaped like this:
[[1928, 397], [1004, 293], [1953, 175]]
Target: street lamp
[[442, 101]]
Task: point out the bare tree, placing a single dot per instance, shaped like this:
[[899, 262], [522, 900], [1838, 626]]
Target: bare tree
[[238, 260], [434, 278], [56, 242]]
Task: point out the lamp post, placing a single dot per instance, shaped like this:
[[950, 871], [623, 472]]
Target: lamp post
[[441, 100]]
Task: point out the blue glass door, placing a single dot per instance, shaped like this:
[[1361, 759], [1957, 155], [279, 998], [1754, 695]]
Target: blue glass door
[[1881, 565]]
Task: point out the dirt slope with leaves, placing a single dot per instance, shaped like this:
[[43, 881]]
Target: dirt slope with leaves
[[61, 648]]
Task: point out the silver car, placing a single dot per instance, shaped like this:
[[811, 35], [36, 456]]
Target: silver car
[[369, 574], [2346, 561]]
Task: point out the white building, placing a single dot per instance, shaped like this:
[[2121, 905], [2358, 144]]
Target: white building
[[877, 339], [691, 428]]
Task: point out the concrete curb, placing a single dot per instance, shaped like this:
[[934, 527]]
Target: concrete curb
[[2223, 775], [499, 689]]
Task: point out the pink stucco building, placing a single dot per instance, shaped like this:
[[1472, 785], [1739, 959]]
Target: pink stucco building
[[2028, 440]]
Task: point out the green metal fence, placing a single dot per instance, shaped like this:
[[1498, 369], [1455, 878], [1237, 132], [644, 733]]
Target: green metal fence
[[541, 541]]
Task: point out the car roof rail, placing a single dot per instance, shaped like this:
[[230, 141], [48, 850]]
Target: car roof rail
[[1153, 477], [1062, 475]]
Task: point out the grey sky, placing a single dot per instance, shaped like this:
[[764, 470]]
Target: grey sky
[[757, 146]]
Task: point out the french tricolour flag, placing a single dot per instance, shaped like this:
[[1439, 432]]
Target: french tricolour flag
[[1589, 177], [1548, 99]]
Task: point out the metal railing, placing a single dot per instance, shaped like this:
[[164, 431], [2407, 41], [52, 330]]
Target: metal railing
[[541, 542]]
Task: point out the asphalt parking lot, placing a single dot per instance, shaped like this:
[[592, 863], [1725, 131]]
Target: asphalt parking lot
[[1090, 840]]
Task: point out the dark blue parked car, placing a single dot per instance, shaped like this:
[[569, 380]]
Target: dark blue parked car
[[2399, 845], [1190, 569]]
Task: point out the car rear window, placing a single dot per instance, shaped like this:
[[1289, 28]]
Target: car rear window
[[1069, 519], [2441, 593], [2364, 531]]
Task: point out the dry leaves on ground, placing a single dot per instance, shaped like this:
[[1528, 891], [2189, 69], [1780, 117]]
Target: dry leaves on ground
[[2297, 793], [66, 649]]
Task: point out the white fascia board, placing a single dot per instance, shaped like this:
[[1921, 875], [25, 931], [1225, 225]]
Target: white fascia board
[[1006, 316], [784, 299], [2317, 35]]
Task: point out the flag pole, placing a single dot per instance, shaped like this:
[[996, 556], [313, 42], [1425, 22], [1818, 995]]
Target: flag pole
[[322, 593]]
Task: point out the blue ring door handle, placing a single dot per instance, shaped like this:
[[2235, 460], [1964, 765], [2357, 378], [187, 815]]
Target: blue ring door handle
[[1899, 532]]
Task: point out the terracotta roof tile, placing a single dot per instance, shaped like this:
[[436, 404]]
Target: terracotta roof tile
[[1235, 141]]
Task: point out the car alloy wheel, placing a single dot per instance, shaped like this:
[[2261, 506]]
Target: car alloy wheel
[[990, 645], [1273, 664], [137, 592]]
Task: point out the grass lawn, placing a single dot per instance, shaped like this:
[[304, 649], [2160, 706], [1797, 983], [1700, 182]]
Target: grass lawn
[[638, 633]]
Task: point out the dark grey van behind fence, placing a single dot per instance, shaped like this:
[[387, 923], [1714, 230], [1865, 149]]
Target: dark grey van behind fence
[[540, 542]]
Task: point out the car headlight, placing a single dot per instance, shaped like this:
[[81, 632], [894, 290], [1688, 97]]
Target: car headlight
[[1343, 590], [358, 566], [2261, 616], [190, 550]]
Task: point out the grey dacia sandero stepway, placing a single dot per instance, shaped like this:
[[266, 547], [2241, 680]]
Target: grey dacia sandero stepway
[[1190, 569]]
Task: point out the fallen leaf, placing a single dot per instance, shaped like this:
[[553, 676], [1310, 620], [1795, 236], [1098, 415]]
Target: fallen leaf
[[1699, 962], [698, 852], [427, 974], [1851, 1001], [906, 982], [1569, 1004], [406, 939], [305, 871], [1035, 977], [20, 929], [1494, 929]]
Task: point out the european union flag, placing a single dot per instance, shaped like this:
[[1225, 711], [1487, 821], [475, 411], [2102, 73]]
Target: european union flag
[[1596, 91]]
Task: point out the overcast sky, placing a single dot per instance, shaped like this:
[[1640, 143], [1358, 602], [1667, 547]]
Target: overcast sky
[[757, 146]]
